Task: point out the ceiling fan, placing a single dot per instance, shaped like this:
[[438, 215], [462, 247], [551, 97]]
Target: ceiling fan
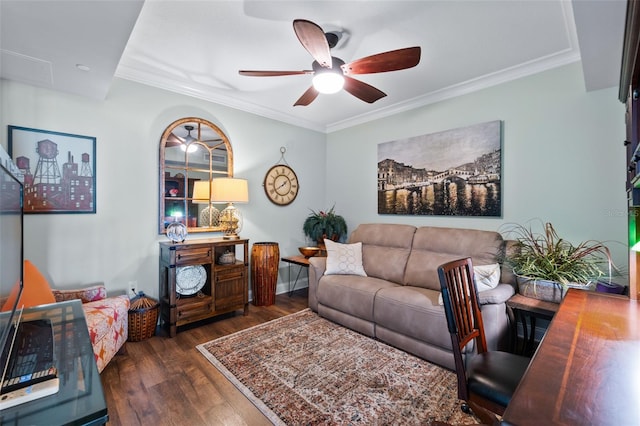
[[332, 74], [186, 143]]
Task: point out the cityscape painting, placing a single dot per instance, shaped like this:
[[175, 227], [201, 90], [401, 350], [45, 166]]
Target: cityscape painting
[[57, 170], [456, 172]]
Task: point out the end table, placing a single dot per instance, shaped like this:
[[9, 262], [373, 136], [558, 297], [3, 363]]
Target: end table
[[522, 308], [302, 262]]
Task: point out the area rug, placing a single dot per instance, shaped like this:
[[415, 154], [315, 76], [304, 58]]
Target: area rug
[[305, 370]]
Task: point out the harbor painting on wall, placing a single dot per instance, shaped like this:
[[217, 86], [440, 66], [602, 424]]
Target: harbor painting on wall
[[455, 172], [57, 169]]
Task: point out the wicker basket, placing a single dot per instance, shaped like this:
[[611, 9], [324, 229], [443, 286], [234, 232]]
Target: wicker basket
[[143, 317]]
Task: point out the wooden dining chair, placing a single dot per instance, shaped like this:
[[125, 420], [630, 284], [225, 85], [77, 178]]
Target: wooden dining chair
[[489, 378]]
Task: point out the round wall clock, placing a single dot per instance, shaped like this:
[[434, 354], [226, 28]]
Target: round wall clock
[[281, 185]]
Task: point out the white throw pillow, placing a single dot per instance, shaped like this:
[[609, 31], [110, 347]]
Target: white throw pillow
[[344, 259], [486, 277]]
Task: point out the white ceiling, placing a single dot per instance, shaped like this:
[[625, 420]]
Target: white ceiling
[[197, 47]]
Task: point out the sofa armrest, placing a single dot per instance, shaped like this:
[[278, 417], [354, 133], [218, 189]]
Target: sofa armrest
[[500, 294], [317, 266], [86, 295], [496, 322]]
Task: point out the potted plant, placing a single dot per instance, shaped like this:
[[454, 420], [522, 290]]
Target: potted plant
[[320, 225], [546, 265]]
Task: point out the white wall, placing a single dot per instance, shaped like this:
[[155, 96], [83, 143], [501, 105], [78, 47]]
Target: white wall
[[563, 162], [119, 243], [563, 157]]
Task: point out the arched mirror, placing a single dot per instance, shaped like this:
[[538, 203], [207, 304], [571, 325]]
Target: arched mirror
[[193, 151]]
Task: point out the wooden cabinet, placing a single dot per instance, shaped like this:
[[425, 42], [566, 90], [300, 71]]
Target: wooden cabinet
[[225, 288]]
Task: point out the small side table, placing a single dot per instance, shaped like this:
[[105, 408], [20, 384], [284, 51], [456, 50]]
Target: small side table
[[522, 308], [302, 262]]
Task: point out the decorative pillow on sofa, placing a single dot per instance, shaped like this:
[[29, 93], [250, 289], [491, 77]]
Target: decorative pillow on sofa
[[86, 295], [36, 289], [344, 259], [486, 277]]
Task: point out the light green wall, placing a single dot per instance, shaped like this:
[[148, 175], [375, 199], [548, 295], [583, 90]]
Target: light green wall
[[563, 157], [563, 162], [119, 243]]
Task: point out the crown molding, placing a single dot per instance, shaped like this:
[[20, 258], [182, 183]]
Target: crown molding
[[201, 92], [561, 58]]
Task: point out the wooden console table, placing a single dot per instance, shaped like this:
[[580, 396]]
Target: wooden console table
[[586, 370], [226, 286]]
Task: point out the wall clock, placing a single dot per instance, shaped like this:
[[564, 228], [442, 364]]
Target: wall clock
[[281, 183]]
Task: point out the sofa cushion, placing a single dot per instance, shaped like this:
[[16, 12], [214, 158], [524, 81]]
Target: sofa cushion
[[385, 249], [433, 246], [344, 259], [353, 294], [414, 312], [107, 321]]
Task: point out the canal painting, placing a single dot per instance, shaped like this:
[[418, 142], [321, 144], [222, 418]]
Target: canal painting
[[456, 172]]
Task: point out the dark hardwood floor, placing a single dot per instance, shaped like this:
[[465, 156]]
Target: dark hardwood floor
[[166, 381]]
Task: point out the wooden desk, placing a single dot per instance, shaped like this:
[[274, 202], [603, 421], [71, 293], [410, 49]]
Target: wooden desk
[[587, 368]]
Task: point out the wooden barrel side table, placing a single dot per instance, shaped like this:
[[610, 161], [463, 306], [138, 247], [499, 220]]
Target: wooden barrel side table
[[265, 262]]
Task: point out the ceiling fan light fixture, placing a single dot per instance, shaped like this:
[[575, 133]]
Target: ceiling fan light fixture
[[188, 145], [328, 82]]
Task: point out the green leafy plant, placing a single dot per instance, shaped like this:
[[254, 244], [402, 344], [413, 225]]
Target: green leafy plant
[[546, 256], [320, 224]]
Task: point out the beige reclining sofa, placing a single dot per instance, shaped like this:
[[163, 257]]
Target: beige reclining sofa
[[398, 301]]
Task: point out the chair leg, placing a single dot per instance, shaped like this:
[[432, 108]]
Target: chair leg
[[486, 416]]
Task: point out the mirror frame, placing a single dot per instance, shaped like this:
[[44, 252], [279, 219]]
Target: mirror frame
[[169, 136]]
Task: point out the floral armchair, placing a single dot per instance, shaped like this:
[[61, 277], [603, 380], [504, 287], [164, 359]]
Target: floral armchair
[[107, 319]]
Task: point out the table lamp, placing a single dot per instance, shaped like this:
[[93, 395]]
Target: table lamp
[[230, 190], [209, 216]]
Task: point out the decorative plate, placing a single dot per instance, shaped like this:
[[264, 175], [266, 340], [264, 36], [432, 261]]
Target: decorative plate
[[190, 279]]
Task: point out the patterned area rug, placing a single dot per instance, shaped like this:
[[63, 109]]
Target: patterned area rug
[[304, 370]]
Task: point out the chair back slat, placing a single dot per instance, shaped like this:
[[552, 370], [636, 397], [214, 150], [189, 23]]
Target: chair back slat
[[460, 298]]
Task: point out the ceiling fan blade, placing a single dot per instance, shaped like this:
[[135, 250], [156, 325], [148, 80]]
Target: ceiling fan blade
[[173, 140], [313, 39], [362, 90], [393, 60], [251, 73], [307, 97]]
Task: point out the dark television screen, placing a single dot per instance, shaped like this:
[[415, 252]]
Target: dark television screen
[[11, 251]]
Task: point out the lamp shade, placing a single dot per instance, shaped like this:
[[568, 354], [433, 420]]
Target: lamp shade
[[229, 190], [201, 192]]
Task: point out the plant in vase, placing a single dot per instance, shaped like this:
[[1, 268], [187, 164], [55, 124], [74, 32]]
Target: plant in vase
[[546, 265], [320, 225]]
